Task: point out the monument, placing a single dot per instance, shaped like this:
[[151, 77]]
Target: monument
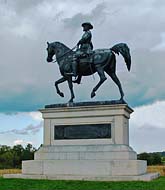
[[86, 140]]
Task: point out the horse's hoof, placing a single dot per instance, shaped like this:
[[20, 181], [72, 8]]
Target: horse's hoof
[[76, 81], [121, 99], [61, 94], [70, 101], [93, 94]]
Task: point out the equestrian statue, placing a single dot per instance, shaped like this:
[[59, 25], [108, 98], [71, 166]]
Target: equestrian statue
[[85, 61]]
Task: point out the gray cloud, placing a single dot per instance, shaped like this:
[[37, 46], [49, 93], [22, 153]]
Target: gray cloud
[[147, 139], [97, 15], [147, 127], [20, 6], [30, 129]]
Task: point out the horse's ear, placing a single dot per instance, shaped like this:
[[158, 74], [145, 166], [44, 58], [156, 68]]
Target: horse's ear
[[48, 43]]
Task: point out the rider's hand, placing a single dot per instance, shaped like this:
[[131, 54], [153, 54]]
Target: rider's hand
[[78, 43], [77, 47]]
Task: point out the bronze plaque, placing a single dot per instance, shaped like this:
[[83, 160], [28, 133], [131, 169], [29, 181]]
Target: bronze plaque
[[93, 131]]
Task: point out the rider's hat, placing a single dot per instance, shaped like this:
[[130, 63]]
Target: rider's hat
[[87, 24]]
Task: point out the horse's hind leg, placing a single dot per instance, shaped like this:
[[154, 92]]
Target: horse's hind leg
[[61, 80], [102, 76], [117, 82]]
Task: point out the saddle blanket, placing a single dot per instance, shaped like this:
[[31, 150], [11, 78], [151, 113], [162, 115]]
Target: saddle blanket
[[99, 56]]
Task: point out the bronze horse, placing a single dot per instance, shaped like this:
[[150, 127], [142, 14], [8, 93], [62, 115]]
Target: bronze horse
[[103, 60]]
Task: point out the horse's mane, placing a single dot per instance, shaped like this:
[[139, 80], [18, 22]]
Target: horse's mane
[[61, 46]]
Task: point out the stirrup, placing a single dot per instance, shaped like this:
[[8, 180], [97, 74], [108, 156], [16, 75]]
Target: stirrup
[[72, 74], [69, 73]]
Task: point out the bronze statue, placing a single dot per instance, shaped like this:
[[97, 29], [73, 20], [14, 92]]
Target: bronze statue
[[84, 62]]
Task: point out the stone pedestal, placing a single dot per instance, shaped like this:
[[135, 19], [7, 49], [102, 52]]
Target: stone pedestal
[[86, 141]]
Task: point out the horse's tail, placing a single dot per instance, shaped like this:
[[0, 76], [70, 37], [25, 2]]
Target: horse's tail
[[123, 49]]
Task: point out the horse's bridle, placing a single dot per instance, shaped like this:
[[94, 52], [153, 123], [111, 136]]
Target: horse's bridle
[[53, 61]]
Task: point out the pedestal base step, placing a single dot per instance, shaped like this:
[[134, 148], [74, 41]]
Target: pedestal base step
[[144, 177], [86, 152], [84, 167]]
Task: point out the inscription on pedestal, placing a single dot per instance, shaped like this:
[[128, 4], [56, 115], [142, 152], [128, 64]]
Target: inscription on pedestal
[[92, 131]]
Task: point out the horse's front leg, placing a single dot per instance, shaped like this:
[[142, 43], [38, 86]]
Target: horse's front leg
[[78, 80], [61, 80], [70, 83], [102, 76]]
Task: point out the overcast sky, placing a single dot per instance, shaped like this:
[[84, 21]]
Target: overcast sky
[[27, 80]]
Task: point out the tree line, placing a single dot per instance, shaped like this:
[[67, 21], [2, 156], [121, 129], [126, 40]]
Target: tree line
[[154, 158], [11, 157]]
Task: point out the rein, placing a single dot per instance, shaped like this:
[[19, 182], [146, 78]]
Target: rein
[[65, 54]]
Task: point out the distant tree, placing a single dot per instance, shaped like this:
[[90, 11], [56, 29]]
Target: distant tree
[[6, 160], [145, 156], [156, 158], [151, 158], [28, 153], [4, 148], [163, 153], [17, 155], [12, 157], [163, 159]]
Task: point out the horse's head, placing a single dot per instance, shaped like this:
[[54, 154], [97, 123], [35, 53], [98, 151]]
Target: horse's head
[[58, 49], [51, 52]]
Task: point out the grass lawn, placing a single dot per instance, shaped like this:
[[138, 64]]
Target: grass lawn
[[28, 184]]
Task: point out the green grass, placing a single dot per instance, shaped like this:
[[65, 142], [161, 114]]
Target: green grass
[[28, 184]]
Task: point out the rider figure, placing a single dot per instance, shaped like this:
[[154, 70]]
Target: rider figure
[[85, 48]]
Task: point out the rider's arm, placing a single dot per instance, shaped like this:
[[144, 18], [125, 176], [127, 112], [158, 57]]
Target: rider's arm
[[84, 38]]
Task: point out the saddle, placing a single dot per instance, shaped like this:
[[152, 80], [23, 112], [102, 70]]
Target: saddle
[[96, 57], [88, 58]]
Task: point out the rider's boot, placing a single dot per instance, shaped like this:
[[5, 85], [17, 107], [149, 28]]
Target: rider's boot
[[74, 68]]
